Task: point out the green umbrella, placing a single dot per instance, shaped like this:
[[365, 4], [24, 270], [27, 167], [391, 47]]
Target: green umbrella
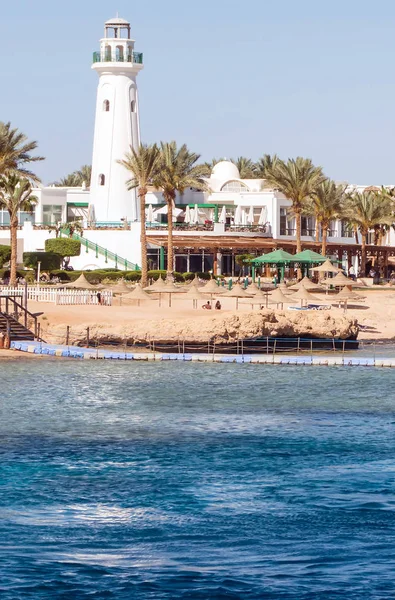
[[309, 256], [277, 257]]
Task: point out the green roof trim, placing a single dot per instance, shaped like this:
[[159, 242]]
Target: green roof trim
[[80, 204]]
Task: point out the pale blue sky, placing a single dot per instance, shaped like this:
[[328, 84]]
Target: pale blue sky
[[296, 77]]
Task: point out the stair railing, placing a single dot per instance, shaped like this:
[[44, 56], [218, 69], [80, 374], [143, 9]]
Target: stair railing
[[11, 308]]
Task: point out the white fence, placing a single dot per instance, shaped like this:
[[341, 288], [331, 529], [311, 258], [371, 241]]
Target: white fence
[[59, 296]]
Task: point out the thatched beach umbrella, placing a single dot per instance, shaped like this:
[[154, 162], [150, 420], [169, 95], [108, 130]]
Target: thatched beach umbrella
[[304, 296], [159, 284], [326, 267], [345, 295], [212, 287], [278, 297], [305, 283], [194, 295], [260, 298], [236, 292], [138, 294], [81, 284], [120, 288], [170, 289], [340, 280]]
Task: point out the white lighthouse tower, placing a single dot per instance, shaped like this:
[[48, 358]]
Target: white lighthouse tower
[[117, 123]]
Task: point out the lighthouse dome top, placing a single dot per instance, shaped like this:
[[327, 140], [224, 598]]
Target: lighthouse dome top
[[117, 21]]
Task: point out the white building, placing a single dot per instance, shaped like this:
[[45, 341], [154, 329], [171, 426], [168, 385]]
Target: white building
[[235, 216]]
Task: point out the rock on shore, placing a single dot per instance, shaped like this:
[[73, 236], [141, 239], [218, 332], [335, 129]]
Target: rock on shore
[[221, 328]]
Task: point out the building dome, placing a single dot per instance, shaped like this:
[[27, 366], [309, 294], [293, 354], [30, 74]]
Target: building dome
[[225, 170], [117, 21]]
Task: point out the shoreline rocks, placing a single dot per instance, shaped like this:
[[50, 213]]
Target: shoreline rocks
[[223, 328]]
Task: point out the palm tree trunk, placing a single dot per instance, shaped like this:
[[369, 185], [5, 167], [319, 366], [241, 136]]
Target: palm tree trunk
[[143, 239], [324, 238], [356, 235], [170, 251], [298, 219], [317, 230], [363, 254], [14, 249]]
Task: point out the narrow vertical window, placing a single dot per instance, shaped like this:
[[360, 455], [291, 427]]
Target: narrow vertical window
[[133, 106], [102, 179], [106, 105]]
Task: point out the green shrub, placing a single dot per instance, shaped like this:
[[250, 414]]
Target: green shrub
[[49, 260], [200, 274], [63, 246], [156, 274], [5, 254], [133, 275], [5, 273], [96, 276]]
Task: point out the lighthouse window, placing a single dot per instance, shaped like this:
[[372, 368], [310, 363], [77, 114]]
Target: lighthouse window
[[133, 106], [102, 179], [106, 105]]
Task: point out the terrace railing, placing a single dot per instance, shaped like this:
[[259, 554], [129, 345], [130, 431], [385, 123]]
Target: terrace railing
[[134, 58]]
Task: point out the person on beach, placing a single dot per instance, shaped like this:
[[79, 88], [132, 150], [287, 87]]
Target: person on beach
[[207, 306], [351, 273], [218, 305], [99, 298]]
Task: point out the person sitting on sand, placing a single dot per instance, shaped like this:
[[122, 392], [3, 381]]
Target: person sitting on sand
[[207, 306], [218, 305]]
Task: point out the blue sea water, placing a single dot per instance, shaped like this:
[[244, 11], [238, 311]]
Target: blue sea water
[[206, 481]]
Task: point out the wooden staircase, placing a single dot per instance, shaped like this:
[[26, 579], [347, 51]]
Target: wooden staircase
[[16, 330], [13, 310]]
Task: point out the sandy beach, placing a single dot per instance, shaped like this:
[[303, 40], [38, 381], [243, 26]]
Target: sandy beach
[[375, 315]]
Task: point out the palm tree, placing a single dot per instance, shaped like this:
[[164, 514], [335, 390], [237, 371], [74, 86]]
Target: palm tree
[[142, 164], [76, 178], [15, 152], [177, 170], [297, 179], [85, 175], [326, 204], [15, 195], [368, 210], [245, 166]]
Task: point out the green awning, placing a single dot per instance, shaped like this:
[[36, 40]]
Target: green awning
[[277, 257], [309, 256], [78, 204]]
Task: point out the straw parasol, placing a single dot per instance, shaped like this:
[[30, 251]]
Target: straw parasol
[[259, 297], [305, 283], [304, 295], [340, 280], [120, 288], [236, 292], [345, 295], [195, 295], [278, 297], [138, 294], [159, 284], [253, 288], [326, 267], [169, 289], [81, 284], [211, 287]]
